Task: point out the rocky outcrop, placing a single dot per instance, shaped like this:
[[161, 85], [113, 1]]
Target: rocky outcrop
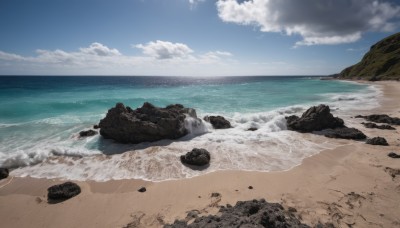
[[382, 127], [316, 118], [255, 213], [3, 173], [381, 118], [377, 141], [196, 157], [145, 124], [218, 122], [87, 133], [63, 191], [344, 133], [319, 119]]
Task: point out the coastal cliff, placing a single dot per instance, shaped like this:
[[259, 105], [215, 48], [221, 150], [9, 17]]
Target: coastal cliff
[[381, 62]]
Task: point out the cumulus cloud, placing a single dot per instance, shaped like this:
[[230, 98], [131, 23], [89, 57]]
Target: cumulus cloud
[[99, 49], [98, 59], [164, 49], [317, 21]]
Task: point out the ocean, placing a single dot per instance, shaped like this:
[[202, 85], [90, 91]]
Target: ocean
[[41, 117]]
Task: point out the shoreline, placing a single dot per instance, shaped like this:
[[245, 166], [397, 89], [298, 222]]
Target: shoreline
[[320, 188]]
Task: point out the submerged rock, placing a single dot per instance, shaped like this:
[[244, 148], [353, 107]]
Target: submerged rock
[[145, 124], [377, 141], [197, 157], [63, 191], [316, 118], [344, 133], [381, 118], [218, 122], [4, 173], [254, 213], [87, 133], [382, 127]]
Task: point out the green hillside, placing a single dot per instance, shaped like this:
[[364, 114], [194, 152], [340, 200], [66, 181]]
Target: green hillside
[[382, 62]]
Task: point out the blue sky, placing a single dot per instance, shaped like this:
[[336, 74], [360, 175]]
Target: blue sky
[[189, 37]]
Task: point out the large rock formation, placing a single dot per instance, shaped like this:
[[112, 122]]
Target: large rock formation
[[382, 62], [145, 124], [319, 119], [197, 157], [218, 122], [315, 118], [254, 213], [63, 191]]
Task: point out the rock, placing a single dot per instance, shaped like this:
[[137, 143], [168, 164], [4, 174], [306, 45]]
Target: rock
[[252, 129], [393, 155], [250, 187], [218, 122], [215, 194], [3, 173], [381, 118], [196, 157], [344, 133], [392, 172], [96, 126], [63, 191], [87, 133], [145, 124], [142, 189], [254, 213], [383, 127], [377, 141], [315, 118]]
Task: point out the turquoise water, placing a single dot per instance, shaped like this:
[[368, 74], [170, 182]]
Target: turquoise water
[[40, 117]]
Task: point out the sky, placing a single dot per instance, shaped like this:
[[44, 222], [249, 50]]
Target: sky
[[190, 37]]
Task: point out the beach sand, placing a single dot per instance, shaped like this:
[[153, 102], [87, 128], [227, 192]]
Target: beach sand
[[349, 186]]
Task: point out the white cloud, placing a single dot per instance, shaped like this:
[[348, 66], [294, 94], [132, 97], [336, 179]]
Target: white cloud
[[193, 3], [164, 49], [99, 49], [98, 59], [317, 21]]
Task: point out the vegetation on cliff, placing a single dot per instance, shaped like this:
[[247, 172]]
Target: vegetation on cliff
[[381, 62]]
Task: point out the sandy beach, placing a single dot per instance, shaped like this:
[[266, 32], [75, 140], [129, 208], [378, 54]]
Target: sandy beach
[[349, 186]]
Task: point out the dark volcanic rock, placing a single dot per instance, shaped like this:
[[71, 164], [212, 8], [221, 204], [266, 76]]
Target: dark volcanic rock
[[377, 141], [382, 127], [87, 133], [344, 133], [255, 213], [145, 124], [142, 189], [383, 118], [218, 122], [315, 118], [96, 126], [197, 157], [3, 173], [393, 155], [63, 191], [252, 129]]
